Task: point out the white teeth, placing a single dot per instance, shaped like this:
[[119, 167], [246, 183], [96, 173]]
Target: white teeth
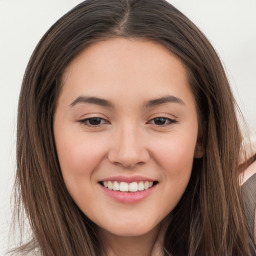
[[133, 187], [125, 187], [146, 185], [141, 186], [110, 185], [116, 185]]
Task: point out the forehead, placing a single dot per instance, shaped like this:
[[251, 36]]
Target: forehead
[[113, 67], [126, 55]]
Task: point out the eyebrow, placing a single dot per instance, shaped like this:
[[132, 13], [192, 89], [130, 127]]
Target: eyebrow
[[92, 100], [163, 100], [106, 103]]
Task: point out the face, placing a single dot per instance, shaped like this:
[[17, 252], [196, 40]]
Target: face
[[126, 131]]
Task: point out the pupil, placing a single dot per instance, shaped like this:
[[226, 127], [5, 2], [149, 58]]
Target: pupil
[[94, 121], [160, 121]]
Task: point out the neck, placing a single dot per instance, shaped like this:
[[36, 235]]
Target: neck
[[115, 245]]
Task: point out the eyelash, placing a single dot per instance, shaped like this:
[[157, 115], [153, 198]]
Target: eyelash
[[86, 122], [165, 119]]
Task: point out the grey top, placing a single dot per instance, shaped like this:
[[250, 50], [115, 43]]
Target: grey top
[[249, 197]]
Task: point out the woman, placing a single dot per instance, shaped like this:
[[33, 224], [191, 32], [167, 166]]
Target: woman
[[128, 142]]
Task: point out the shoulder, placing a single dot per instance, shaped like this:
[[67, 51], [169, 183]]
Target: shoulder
[[248, 189], [248, 173], [248, 184]]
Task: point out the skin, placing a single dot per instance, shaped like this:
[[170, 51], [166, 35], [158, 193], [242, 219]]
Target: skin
[[128, 140]]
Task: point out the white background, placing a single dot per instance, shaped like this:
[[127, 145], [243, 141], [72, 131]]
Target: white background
[[229, 24]]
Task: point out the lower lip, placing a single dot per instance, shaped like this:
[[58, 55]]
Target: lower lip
[[128, 197]]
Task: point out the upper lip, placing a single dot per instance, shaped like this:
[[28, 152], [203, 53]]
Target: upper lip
[[128, 179]]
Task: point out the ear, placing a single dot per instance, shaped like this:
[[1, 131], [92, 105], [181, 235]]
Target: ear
[[199, 149]]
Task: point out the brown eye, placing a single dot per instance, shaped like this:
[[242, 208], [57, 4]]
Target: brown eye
[[161, 121], [93, 121]]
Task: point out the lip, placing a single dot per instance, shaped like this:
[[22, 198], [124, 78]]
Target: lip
[[128, 179], [128, 197]]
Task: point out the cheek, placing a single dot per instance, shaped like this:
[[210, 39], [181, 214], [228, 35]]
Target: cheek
[[79, 155], [176, 155], [175, 158]]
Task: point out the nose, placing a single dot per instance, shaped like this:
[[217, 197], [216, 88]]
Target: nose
[[128, 148]]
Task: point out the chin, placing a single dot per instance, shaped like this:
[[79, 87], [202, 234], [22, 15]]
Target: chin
[[130, 230]]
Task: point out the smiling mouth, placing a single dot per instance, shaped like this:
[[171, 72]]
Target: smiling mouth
[[128, 187]]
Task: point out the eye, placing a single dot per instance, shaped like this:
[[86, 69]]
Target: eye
[[93, 121], [162, 121]]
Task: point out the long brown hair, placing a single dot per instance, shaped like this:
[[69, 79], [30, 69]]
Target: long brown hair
[[209, 218]]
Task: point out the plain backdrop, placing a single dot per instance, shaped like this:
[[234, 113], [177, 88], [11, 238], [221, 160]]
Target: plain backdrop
[[229, 24]]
